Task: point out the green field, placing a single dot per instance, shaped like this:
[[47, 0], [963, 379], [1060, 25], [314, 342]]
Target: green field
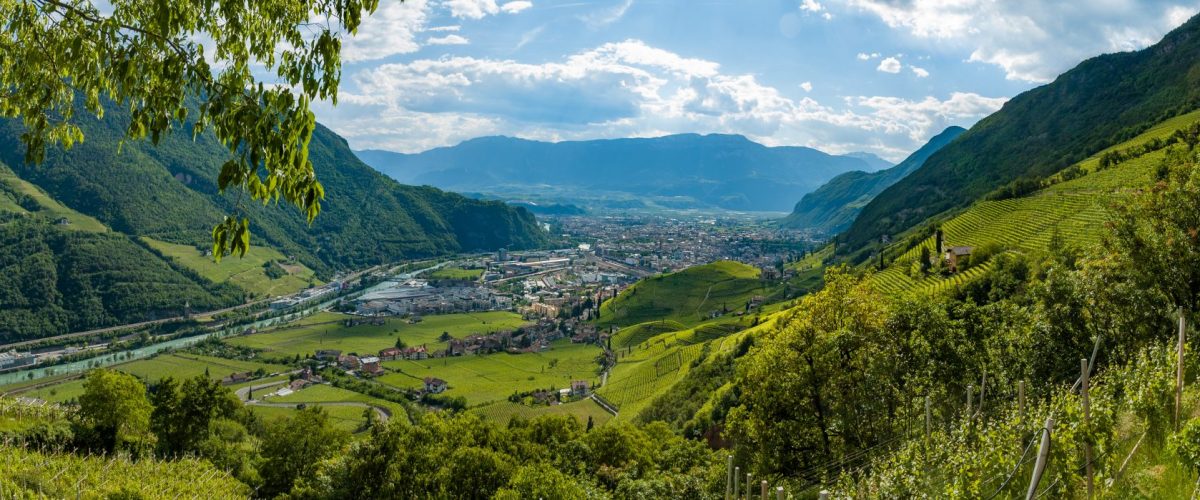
[[245, 272], [1076, 210], [49, 206], [503, 411], [686, 297], [178, 365], [346, 418], [493, 377], [321, 393], [456, 273], [326, 331]]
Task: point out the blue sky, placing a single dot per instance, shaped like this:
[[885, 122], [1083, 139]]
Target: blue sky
[[839, 75]]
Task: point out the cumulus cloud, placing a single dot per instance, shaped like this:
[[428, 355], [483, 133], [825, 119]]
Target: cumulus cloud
[[1033, 40], [444, 28], [623, 89], [889, 65], [471, 9], [920, 72], [867, 57], [516, 6], [392, 29], [811, 6], [448, 40]]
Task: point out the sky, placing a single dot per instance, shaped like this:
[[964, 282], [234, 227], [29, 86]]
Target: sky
[[881, 76]]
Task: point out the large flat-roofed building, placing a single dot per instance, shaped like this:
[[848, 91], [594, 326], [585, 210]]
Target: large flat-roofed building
[[13, 360]]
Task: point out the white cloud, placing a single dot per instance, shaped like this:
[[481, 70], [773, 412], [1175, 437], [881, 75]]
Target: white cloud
[[863, 57], [448, 40], [471, 9], [391, 30], [605, 17], [1033, 40], [811, 6], [889, 65], [444, 28], [530, 36], [620, 90], [920, 72], [516, 6]]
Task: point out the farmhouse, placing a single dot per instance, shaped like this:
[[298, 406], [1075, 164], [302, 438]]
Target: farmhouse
[[390, 353], [349, 362], [329, 354], [955, 255], [435, 385], [579, 388], [371, 366]]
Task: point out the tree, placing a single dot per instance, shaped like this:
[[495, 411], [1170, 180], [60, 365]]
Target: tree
[[114, 412], [400, 344], [60, 58], [293, 448], [184, 412]]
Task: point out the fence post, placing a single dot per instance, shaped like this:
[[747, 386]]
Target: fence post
[[1021, 399], [728, 476], [1087, 445], [737, 472], [1043, 455], [970, 394], [1179, 370]]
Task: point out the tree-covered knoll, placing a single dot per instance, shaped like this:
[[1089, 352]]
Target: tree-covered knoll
[[54, 280], [1101, 102]]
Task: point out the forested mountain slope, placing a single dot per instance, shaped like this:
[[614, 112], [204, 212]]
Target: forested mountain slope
[[1101, 102], [834, 205], [168, 192]]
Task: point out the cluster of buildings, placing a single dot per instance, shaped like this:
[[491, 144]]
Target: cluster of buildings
[[418, 296], [310, 294], [13, 360]]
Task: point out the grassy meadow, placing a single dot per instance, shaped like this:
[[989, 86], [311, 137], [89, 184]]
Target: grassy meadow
[[503, 411], [326, 331], [456, 273], [245, 272], [493, 377]]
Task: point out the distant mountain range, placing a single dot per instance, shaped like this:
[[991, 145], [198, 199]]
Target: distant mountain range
[[833, 206], [1101, 102], [677, 171]]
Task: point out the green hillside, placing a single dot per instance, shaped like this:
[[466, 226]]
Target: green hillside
[[1073, 209], [263, 272], [1101, 102], [834, 205], [167, 192], [687, 297]]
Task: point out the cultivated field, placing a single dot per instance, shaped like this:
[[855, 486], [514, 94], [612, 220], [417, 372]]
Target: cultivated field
[[504, 411], [346, 418], [246, 272], [326, 331], [493, 377], [321, 393], [686, 297], [456, 273]]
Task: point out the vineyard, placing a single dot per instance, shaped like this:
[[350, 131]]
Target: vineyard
[[686, 297], [634, 383], [641, 332], [503, 411]]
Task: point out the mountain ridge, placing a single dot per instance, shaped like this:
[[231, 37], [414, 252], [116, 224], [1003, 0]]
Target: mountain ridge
[[724, 171]]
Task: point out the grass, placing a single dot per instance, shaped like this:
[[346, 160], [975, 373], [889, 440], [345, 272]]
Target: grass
[[686, 297], [247, 273], [503, 411], [456, 273], [326, 331], [321, 393], [178, 365], [49, 206], [493, 377], [346, 418]]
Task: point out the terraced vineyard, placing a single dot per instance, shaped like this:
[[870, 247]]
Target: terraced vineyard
[[641, 332], [504, 411], [634, 383], [1075, 209], [687, 296]]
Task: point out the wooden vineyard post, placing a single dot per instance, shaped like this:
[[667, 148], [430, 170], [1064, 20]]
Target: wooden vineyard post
[[1087, 445], [1043, 456], [749, 485], [824, 495], [928, 422], [970, 394], [737, 472], [728, 477], [1179, 368], [764, 489], [1021, 399], [982, 389], [779, 493]]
